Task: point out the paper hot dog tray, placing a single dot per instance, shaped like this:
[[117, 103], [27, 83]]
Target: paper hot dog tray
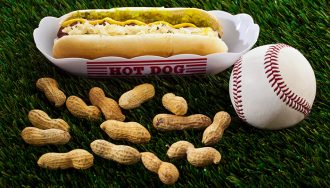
[[240, 34]]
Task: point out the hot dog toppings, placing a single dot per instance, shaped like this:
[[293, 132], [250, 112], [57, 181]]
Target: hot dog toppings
[[135, 31], [132, 21], [174, 16], [130, 28], [127, 22]]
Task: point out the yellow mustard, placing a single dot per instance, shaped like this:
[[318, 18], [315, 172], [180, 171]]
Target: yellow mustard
[[127, 22]]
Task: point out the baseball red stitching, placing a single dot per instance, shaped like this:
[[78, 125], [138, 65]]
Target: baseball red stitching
[[237, 89], [277, 83]]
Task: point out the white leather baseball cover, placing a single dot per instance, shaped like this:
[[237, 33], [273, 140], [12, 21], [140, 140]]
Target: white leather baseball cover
[[272, 87]]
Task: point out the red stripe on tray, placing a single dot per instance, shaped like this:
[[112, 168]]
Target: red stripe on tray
[[97, 72], [100, 72], [198, 64], [195, 68], [117, 76], [193, 73], [99, 75], [144, 64], [132, 76], [104, 75], [198, 70], [146, 61], [98, 67]]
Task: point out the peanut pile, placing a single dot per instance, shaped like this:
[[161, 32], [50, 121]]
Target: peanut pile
[[47, 131]]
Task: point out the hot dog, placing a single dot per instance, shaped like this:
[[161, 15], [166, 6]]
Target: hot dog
[[132, 32]]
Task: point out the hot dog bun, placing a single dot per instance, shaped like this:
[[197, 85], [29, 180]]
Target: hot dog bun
[[165, 45], [91, 46]]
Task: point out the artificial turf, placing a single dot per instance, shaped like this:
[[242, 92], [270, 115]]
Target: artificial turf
[[294, 157]]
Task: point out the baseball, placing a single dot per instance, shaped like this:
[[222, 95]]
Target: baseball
[[272, 87]]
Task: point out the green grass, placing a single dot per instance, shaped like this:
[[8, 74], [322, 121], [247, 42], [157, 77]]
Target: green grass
[[293, 157]]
